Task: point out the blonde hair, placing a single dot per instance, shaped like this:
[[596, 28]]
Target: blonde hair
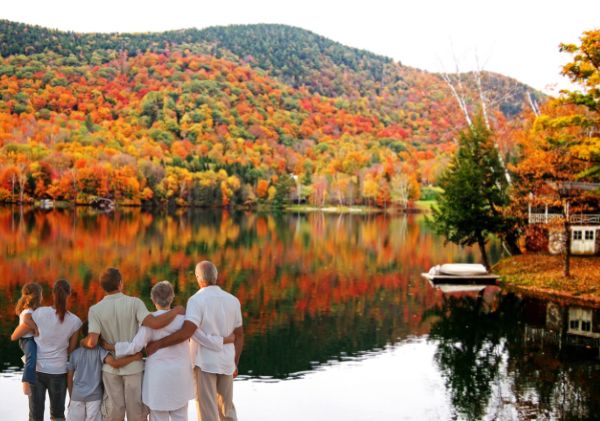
[[31, 297]]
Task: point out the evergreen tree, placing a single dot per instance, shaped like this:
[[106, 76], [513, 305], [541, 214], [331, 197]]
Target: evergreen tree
[[282, 195], [475, 191]]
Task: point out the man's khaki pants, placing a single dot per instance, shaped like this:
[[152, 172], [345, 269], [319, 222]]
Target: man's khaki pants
[[214, 396], [123, 395]]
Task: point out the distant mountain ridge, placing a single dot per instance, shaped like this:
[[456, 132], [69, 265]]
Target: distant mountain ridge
[[295, 56], [280, 49]]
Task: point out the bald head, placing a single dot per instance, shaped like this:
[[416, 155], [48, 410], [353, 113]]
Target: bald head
[[206, 273]]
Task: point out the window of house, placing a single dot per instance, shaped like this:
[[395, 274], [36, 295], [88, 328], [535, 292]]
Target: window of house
[[577, 235], [589, 235], [574, 324], [586, 325]]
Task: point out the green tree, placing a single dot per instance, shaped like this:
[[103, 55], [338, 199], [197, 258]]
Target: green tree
[[584, 70], [475, 191], [282, 195]]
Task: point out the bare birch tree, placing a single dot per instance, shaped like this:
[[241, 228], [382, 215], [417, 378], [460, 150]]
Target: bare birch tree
[[400, 190]]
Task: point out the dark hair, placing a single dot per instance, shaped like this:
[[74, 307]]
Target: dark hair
[[110, 279], [31, 297], [60, 292]]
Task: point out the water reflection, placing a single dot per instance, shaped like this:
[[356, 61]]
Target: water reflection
[[313, 287], [317, 291], [499, 361]]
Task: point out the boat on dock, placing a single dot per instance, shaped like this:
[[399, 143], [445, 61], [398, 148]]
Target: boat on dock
[[103, 204], [460, 274]]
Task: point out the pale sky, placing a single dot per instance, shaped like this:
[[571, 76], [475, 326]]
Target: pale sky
[[518, 38]]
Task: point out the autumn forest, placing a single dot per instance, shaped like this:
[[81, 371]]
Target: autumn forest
[[228, 116]]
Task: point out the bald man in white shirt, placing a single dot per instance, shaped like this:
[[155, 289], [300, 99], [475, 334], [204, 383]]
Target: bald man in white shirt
[[218, 313]]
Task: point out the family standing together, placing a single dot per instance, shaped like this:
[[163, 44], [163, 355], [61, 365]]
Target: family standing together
[[191, 353]]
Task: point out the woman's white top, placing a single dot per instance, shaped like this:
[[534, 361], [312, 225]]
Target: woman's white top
[[22, 321], [53, 340], [168, 377]]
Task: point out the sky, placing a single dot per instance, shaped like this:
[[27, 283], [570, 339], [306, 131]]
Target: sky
[[518, 38]]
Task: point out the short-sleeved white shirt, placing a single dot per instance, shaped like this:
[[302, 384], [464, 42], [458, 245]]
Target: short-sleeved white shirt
[[53, 340], [22, 321], [215, 312]]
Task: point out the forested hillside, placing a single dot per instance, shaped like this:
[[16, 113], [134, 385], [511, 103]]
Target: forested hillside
[[294, 55], [239, 114]]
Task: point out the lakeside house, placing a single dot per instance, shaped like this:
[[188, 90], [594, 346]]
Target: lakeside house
[[550, 323], [584, 227], [46, 202]]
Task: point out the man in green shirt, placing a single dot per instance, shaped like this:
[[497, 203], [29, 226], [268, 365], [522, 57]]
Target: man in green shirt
[[117, 317]]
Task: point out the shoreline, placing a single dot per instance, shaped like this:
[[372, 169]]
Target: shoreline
[[352, 209], [540, 275]]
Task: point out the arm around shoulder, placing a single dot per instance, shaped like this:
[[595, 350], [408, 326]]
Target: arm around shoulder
[[158, 322]]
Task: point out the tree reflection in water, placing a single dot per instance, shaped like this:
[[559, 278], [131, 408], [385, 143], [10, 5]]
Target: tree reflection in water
[[492, 372], [314, 288]]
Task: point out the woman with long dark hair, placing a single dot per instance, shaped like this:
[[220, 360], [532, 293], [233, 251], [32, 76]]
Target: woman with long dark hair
[[58, 333]]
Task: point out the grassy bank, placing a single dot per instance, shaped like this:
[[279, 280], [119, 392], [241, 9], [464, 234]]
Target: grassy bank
[[333, 209], [425, 205], [419, 207], [543, 275]]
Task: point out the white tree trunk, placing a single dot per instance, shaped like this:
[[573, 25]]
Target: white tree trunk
[[533, 104]]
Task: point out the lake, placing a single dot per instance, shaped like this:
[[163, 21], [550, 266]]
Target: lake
[[339, 323]]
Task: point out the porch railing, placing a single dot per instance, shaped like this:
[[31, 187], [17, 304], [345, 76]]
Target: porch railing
[[578, 219]]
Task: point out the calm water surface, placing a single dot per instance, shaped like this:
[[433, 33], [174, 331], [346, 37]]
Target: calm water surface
[[339, 324]]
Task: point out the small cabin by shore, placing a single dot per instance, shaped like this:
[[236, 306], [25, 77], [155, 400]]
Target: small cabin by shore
[[584, 227], [46, 202], [585, 239]]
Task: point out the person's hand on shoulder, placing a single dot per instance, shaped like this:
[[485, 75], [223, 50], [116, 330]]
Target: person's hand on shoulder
[[179, 310]]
